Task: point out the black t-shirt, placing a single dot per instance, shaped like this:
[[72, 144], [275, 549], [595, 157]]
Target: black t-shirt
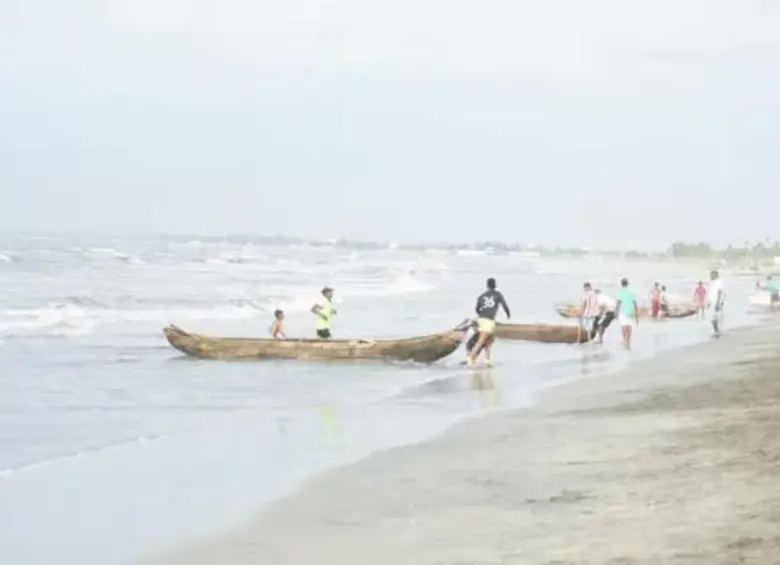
[[488, 304]]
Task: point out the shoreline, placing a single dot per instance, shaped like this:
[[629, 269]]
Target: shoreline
[[598, 468]]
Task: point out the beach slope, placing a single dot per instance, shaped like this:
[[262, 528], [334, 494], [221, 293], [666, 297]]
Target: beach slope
[[674, 462]]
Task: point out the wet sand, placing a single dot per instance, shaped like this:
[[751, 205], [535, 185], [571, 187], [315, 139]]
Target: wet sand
[[676, 461]]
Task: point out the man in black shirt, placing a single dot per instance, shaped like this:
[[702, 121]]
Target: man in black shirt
[[487, 307]]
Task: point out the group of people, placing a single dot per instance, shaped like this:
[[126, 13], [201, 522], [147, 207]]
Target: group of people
[[323, 310], [597, 312]]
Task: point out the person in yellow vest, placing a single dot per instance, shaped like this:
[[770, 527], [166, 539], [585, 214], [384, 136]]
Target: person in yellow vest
[[324, 311]]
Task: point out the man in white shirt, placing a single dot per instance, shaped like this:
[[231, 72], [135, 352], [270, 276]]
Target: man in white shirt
[[716, 297], [606, 315]]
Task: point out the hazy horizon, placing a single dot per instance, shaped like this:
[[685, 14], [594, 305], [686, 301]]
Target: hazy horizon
[[606, 125]]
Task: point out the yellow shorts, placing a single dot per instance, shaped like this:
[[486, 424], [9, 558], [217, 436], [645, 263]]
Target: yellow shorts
[[486, 326]]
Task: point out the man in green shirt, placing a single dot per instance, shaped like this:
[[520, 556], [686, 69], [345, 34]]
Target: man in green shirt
[[324, 311], [774, 291], [628, 312]]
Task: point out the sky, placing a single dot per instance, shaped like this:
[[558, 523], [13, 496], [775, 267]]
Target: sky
[[607, 123]]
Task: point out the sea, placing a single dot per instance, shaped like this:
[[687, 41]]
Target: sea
[[114, 448]]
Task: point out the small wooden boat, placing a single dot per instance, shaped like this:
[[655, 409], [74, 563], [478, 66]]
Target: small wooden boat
[[545, 333], [425, 349], [678, 311]]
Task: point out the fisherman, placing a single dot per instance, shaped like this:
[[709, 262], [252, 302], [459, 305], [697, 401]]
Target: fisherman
[[655, 300], [606, 315], [717, 297], [277, 326], [324, 311], [774, 291], [487, 307], [589, 309], [628, 312], [664, 303], [700, 298]]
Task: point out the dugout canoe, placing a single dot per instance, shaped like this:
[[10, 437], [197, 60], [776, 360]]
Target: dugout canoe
[[424, 349], [544, 333], [679, 311]]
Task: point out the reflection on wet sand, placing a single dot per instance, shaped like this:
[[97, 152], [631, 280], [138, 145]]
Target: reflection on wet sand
[[482, 383], [592, 362], [330, 425]]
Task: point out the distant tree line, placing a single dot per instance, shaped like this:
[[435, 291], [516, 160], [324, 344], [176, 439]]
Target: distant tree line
[[766, 249]]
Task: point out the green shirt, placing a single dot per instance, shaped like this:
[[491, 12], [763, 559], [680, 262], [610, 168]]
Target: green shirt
[[325, 315], [627, 299]]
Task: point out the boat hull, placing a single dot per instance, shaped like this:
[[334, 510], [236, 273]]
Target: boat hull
[[543, 333], [424, 349]]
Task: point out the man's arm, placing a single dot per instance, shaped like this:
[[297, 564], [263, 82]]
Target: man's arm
[[505, 306], [636, 312], [476, 307], [719, 299]]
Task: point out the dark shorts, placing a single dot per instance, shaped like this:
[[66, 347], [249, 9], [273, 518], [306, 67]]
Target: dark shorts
[[774, 297], [602, 322], [665, 308], [323, 334]]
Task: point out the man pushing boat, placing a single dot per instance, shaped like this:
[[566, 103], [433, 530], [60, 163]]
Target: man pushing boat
[[487, 307]]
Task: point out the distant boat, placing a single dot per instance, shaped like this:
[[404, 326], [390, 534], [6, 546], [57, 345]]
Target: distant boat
[[678, 311]]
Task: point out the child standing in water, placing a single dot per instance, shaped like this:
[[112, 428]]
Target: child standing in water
[[277, 326]]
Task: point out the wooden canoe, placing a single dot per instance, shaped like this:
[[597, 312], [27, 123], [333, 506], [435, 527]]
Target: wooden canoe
[[679, 311], [425, 349], [545, 333]]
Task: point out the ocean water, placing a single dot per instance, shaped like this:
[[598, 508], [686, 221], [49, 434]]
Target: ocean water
[[114, 448]]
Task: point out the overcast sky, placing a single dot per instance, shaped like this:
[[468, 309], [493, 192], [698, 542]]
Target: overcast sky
[[605, 123]]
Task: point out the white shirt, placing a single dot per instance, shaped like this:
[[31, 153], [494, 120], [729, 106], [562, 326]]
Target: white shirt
[[712, 293], [606, 302], [590, 304]]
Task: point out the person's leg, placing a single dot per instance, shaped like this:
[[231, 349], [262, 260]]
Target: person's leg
[[594, 330], [608, 318], [489, 350], [477, 349], [716, 322], [629, 331], [472, 342]]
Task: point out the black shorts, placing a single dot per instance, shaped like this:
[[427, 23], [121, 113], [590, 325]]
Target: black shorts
[[607, 320], [323, 334], [665, 308], [602, 322]]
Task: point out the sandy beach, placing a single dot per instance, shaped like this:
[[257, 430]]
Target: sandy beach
[[674, 461]]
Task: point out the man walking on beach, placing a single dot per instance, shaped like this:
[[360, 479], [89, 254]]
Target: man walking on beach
[[774, 292], [717, 297], [655, 300], [700, 298], [589, 309], [487, 307], [628, 312]]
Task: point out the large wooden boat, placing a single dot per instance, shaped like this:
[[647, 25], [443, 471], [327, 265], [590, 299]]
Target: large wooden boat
[[424, 349], [545, 333], [678, 311]]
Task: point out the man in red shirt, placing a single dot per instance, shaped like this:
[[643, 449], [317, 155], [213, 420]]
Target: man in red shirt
[[700, 298], [655, 300]]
